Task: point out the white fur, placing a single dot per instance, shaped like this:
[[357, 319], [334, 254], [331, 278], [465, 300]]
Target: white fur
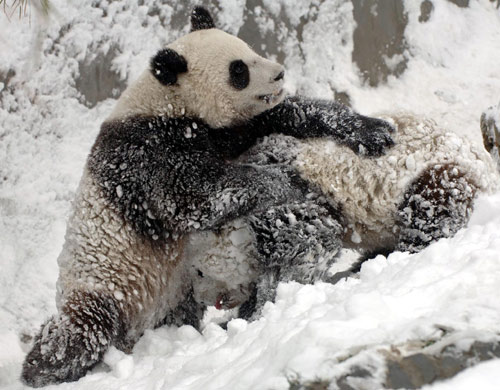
[[103, 253], [204, 91], [227, 260]]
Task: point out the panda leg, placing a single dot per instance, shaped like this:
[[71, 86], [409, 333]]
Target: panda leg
[[436, 205], [296, 242], [75, 340]]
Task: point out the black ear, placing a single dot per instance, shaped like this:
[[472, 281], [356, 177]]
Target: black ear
[[201, 19], [166, 65]]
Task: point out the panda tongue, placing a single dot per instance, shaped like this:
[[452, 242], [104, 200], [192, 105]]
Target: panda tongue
[[218, 302]]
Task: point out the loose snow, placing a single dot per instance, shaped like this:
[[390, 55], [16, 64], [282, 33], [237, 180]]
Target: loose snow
[[311, 331]]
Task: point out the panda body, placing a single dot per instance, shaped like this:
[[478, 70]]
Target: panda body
[[158, 169], [373, 195], [372, 190]]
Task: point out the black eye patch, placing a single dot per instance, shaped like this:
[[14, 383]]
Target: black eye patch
[[239, 76]]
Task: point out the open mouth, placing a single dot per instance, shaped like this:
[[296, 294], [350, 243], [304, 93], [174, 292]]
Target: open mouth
[[271, 97]]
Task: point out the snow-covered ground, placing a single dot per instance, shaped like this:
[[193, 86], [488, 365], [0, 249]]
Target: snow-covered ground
[[447, 292]]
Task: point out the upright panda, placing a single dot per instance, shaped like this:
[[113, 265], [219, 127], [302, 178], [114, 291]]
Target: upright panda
[[419, 191], [161, 168]]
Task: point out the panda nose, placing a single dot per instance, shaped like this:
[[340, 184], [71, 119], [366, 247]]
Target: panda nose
[[280, 76]]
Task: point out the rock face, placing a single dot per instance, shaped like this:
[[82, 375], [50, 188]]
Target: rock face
[[97, 81], [425, 364], [418, 369], [379, 42], [490, 128]]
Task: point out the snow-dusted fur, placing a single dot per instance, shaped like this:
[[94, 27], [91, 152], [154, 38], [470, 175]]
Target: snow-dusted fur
[[163, 166], [421, 190], [372, 192]]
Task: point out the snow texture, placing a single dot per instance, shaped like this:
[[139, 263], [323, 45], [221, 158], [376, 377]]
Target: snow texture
[[312, 331]]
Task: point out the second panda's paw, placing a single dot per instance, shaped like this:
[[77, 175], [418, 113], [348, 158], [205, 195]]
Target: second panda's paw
[[370, 136]]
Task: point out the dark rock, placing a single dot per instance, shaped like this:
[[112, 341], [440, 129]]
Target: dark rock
[[296, 384], [490, 128], [412, 371], [379, 36], [343, 382], [460, 3], [426, 8], [419, 369], [5, 78], [97, 81]]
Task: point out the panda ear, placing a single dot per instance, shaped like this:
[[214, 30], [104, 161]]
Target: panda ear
[[201, 19], [166, 65]]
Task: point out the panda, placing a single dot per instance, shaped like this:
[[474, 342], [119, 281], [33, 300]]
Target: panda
[[419, 191], [163, 167]]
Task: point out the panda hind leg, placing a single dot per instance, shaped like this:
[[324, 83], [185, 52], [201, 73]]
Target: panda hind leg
[[436, 205], [72, 342]]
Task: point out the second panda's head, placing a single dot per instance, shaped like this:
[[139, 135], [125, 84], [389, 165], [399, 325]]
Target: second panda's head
[[207, 74]]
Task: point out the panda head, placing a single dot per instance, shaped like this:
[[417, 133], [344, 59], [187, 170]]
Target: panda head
[[213, 76]]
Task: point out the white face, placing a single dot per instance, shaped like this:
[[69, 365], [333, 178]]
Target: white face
[[226, 81]]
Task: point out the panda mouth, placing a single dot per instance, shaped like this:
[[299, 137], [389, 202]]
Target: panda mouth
[[271, 97]]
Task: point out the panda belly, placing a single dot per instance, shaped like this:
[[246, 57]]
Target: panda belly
[[103, 254], [370, 190]]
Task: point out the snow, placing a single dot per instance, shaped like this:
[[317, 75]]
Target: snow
[[313, 331]]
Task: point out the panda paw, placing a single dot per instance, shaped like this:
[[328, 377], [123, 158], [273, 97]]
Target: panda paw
[[370, 136]]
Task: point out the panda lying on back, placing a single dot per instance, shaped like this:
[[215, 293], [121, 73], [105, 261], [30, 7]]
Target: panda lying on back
[[420, 191], [161, 167]]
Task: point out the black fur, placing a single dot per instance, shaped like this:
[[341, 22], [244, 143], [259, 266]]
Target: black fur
[[74, 341], [310, 118], [167, 174], [239, 76], [166, 65], [162, 180], [201, 19], [437, 204], [298, 241]]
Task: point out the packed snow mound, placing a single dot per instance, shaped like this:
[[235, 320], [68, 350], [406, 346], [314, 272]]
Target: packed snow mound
[[49, 117]]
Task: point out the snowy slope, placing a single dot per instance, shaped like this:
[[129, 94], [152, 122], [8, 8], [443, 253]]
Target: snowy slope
[[49, 117]]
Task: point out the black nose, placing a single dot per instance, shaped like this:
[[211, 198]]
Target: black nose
[[280, 76]]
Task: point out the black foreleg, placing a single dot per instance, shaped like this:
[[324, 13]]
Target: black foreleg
[[296, 242]]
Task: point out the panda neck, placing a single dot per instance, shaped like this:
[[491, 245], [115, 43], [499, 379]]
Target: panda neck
[[147, 97]]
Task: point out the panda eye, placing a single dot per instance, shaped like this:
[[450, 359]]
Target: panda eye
[[239, 76]]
